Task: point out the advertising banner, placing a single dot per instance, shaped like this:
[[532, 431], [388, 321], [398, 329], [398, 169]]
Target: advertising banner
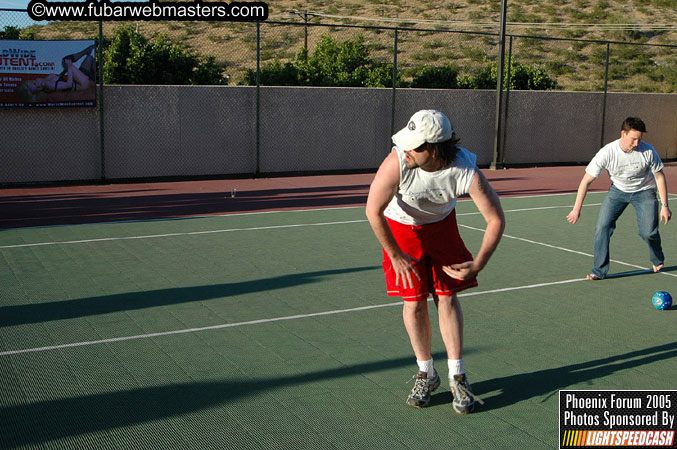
[[47, 73], [617, 419]]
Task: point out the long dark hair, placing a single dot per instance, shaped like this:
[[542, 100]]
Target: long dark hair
[[444, 151]]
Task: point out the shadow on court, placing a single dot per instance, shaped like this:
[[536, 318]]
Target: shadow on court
[[150, 204], [83, 307], [58, 419], [516, 388], [543, 181], [519, 186], [45, 421], [639, 272]]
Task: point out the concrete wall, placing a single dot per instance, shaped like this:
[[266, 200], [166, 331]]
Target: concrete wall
[[567, 126], [49, 144], [659, 113], [319, 129], [164, 131], [161, 131]]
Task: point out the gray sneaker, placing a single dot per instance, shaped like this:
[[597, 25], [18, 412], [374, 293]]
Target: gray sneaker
[[423, 387], [464, 399]]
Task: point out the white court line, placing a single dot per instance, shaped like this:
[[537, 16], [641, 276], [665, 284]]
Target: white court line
[[228, 230], [253, 322], [193, 233], [281, 211], [188, 233], [566, 250], [260, 321]]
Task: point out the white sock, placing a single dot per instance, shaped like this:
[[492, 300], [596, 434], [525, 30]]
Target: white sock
[[456, 367], [427, 367]]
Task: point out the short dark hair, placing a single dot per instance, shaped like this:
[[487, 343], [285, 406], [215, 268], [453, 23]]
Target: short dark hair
[[633, 123], [444, 151]]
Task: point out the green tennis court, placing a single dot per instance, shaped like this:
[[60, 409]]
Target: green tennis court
[[273, 331]]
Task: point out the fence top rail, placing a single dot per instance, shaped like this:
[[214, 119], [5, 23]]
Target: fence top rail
[[485, 33], [443, 30]]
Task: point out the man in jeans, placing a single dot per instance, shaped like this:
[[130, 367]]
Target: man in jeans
[[411, 209], [636, 172]]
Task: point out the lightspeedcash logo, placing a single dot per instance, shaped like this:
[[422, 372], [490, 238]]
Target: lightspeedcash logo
[[617, 419], [150, 10]]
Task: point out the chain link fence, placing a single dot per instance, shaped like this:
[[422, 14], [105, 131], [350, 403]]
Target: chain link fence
[[241, 50], [576, 64]]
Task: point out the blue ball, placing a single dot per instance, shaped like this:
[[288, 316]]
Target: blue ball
[[662, 300]]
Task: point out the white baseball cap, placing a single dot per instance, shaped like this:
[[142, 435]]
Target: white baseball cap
[[427, 125]]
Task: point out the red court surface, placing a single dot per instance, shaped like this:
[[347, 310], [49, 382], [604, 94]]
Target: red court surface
[[66, 205]]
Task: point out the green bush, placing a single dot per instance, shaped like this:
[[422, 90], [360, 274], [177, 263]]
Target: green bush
[[131, 58], [436, 77], [331, 64], [380, 75], [538, 80], [666, 77], [349, 64], [521, 78], [10, 32], [484, 78], [275, 74]]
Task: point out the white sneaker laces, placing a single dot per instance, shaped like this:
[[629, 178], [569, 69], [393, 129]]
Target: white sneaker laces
[[464, 393]]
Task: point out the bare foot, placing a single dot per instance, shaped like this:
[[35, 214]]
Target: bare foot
[[593, 277], [657, 268]]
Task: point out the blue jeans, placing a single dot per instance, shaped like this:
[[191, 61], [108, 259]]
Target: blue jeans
[[646, 208]]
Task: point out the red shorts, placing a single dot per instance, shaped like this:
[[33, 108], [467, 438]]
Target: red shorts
[[431, 246]]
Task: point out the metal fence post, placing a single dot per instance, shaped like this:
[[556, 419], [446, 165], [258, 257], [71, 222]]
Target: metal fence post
[[305, 31], [392, 112], [497, 163], [258, 98], [101, 121], [606, 83], [507, 102]]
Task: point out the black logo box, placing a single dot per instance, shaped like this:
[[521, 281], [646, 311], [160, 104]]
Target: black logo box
[[617, 410]]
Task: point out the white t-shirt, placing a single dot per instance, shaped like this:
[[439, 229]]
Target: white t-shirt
[[427, 197], [629, 172]]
